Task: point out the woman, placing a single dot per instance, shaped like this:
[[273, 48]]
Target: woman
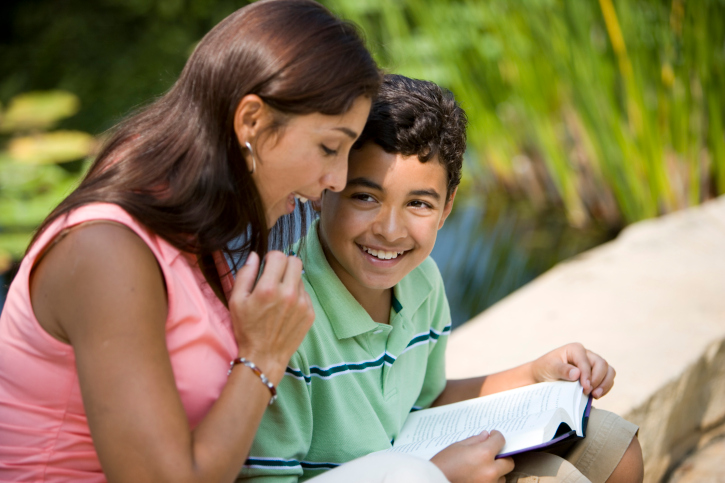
[[118, 331], [125, 353]]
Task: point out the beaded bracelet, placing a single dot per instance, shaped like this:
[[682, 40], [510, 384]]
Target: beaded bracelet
[[258, 372]]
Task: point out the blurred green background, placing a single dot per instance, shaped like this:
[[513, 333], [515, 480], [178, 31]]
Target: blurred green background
[[585, 115]]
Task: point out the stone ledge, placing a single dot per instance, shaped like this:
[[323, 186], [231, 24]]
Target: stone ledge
[[652, 302]]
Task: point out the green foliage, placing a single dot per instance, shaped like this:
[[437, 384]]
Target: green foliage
[[38, 110], [32, 179], [613, 109], [114, 54]]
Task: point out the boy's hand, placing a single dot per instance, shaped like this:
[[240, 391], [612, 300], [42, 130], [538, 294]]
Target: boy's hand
[[572, 362], [473, 460]]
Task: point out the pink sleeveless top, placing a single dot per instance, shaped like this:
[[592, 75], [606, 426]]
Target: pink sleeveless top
[[44, 433]]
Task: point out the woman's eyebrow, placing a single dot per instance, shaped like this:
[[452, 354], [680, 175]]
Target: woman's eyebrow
[[349, 132], [365, 182]]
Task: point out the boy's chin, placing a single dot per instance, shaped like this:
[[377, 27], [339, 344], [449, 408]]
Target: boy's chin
[[380, 284]]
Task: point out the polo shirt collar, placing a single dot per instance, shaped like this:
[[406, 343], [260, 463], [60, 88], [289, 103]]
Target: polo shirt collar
[[410, 293], [347, 317]]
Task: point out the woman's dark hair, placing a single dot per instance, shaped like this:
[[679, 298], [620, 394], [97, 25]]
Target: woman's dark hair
[[417, 117], [177, 167]]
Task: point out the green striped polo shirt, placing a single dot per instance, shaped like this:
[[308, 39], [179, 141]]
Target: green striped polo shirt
[[353, 381]]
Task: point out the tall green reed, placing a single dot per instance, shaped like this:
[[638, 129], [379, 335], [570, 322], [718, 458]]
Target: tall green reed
[[613, 109]]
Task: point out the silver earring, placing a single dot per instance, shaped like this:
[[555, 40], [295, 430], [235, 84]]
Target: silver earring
[[251, 153]]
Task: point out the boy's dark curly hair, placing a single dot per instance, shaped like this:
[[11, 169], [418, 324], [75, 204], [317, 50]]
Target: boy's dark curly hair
[[411, 116]]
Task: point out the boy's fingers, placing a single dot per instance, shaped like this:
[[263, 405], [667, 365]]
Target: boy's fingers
[[577, 355], [599, 368], [496, 439], [247, 275], [505, 465], [476, 438], [568, 372], [606, 385]]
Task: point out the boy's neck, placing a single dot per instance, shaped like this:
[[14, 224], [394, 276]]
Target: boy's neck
[[376, 302]]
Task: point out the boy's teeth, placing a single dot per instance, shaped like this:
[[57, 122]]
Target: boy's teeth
[[301, 198], [381, 254]]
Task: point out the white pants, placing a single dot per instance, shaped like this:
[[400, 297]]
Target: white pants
[[384, 468]]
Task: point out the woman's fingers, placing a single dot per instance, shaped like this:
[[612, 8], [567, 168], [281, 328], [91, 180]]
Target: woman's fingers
[[292, 282], [275, 264], [247, 275], [272, 317]]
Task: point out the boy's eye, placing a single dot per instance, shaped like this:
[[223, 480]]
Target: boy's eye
[[420, 204], [328, 151], [363, 197]]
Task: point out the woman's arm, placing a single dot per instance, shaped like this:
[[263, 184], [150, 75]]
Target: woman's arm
[[101, 289]]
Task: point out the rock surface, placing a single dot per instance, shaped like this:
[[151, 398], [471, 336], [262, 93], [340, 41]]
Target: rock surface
[[704, 466], [652, 302]]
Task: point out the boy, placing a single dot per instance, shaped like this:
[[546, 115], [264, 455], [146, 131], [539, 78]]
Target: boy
[[376, 349]]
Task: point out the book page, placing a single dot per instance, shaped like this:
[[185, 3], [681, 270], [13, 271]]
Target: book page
[[519, 433], [580, 406], [520, 414], [487, 412]]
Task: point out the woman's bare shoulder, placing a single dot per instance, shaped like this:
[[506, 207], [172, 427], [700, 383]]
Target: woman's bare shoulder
[[94, 273]]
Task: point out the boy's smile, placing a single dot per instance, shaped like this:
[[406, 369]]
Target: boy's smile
[[384, 223]]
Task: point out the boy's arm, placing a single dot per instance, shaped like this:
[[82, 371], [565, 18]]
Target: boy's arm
[[285, 433], [568, 363]]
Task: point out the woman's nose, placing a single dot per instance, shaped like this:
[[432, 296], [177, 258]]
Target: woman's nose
[[336, 178]]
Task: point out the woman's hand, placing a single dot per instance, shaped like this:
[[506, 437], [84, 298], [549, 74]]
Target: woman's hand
[[473, 460], [572, 362], [270, 318], [101, 289]]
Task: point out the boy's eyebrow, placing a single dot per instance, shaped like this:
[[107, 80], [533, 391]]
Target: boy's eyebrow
[[349, 132], [366, 182], [432, 193]]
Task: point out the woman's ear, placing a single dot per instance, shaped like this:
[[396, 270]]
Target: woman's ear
[[248, 117]]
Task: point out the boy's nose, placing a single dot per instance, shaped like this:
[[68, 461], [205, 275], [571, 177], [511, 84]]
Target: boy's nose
[[390, 225]]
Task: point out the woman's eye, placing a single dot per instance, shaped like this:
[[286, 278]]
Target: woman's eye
[[328, 151]]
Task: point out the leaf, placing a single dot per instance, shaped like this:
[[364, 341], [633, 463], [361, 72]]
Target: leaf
[[55, 147], [38, 110], [6, 260], [29, 212], [14, 244]]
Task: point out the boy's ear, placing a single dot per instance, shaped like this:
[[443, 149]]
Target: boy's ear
[[447, 208]]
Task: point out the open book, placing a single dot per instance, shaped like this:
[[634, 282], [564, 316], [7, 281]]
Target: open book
[[530, 418]]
